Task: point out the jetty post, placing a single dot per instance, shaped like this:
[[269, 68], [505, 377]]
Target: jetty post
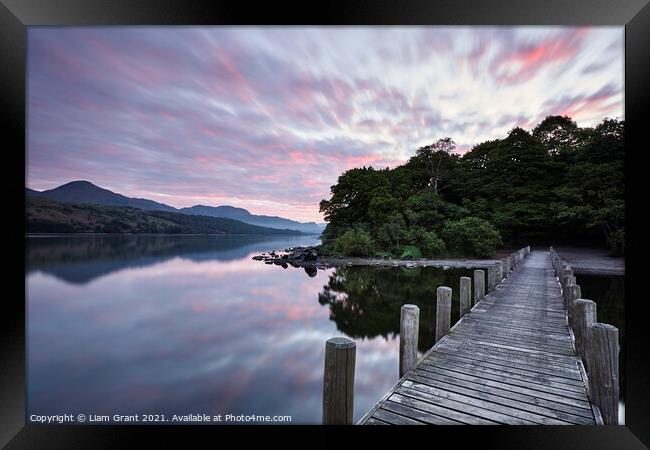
[[479, 285], [443, 311], [338, 381], [465, 295], [604, 375], [408, 338]]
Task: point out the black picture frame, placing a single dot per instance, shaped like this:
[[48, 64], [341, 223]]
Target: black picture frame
[[17, 15]]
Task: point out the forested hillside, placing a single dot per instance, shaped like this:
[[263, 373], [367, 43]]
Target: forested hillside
[[47, 216], [558, 183]]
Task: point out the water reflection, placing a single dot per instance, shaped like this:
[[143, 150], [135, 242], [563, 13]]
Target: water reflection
[[81, 259], [365, 302], [191, 325], [183, 325]]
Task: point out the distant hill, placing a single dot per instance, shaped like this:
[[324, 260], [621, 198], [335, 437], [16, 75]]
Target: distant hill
[[86, 192], [48, 216], [243, 215]]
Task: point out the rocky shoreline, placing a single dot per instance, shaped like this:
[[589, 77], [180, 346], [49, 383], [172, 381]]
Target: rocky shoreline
[[311, 260]]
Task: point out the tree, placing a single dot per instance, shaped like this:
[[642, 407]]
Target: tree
[[433, 155], [472, 236], [354, 243], [524, 184], [559, 134]]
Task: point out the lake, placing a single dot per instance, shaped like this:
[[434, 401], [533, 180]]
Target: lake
[[191, 325]]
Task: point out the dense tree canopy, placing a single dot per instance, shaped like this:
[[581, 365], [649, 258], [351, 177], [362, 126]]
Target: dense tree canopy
[[558, 183]]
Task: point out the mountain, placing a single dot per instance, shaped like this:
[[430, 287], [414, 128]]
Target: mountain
[[49, 216], [86, 192], [243, 215]]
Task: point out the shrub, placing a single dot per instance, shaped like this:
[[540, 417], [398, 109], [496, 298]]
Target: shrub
[[471, 236], [428, 242], [354, 243], [411, 252]]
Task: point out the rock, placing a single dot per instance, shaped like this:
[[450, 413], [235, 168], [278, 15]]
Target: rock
[[310, 255], [311, 271], [258, 258]]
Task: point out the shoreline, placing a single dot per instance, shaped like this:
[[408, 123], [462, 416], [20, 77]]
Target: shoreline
[[308, 258], [333, 262]]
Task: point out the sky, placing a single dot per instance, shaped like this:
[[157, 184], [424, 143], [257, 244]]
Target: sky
[[267, 118]]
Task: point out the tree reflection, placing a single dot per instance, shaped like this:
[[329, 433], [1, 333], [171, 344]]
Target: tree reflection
[[365, 302]]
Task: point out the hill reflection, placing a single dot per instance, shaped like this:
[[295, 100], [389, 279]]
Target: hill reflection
[[81, 259]]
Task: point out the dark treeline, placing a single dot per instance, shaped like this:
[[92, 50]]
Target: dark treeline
[[558, 183]]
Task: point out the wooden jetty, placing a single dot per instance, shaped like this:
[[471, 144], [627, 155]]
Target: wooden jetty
[[529, 352]]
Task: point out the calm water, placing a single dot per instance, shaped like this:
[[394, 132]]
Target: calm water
[[189, 325]]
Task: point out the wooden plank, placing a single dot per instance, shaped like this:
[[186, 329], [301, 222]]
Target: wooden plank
[[514, 350], [480, 377], [482, 408], [435, 413], [504, 334], [566, 349], [374, 421], [394, 419], [462, 345], [450, 376], [444, 389], [505, 365], [506, 372], [487, 392]]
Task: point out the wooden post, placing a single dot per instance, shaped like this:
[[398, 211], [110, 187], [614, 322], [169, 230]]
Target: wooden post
[[585, 316], [338, 382], [479, 286], [465, 295], [499, 273], [567, 279], [566, 282], [604, 374], [491, 278], [443, 311], [408, 338], [513, 260], [565, 269], [505, 264], [574, 294]]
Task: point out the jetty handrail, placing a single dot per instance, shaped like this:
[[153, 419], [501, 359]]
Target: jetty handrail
[[596, 344], [338, 379]]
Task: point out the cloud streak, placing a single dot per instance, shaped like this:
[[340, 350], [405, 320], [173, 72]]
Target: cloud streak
[[267, 118]]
